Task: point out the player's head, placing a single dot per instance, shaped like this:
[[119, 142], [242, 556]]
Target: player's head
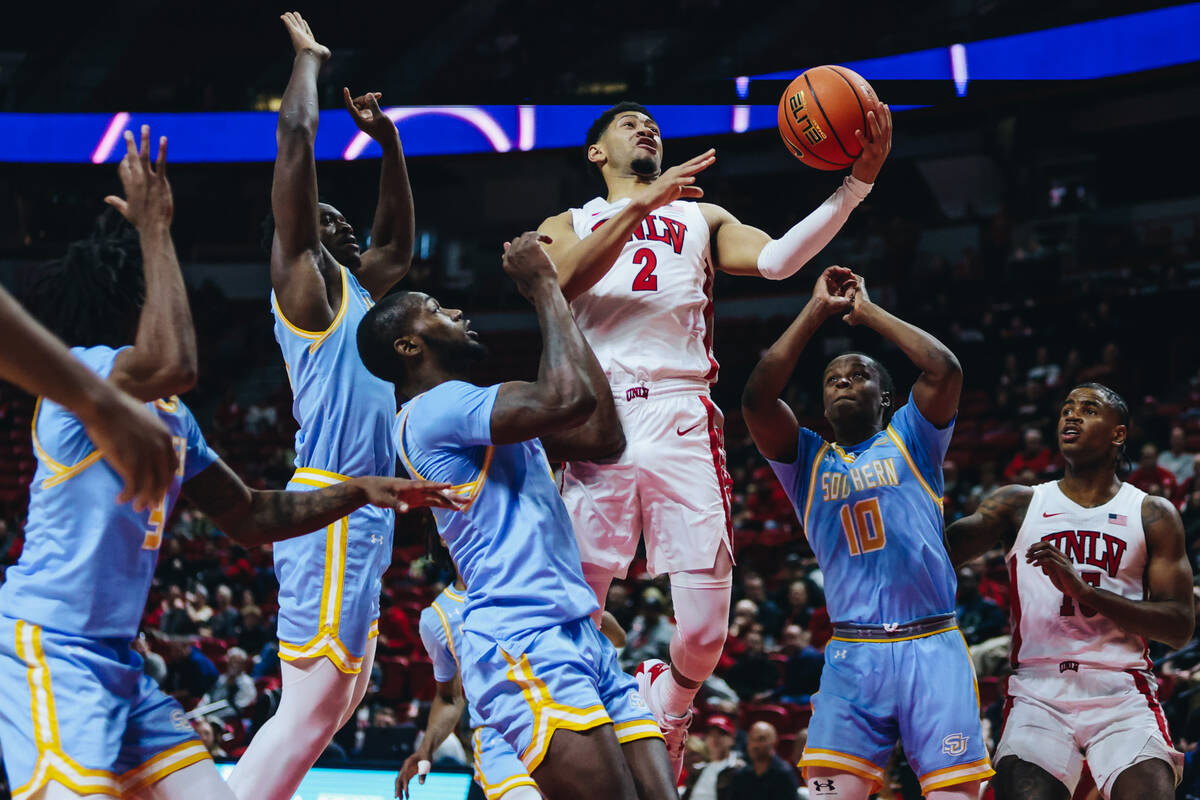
[[858, 393], [408, 333], [625, 140], [1092, 425], [336, 234], [93, 295]]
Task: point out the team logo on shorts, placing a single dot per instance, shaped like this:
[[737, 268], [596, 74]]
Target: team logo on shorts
[[180, 721], [955, 744]]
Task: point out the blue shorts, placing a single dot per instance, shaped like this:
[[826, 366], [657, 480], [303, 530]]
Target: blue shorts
[[329, 581], [81, 712], [920, 690], [562, 677], [497, 768]]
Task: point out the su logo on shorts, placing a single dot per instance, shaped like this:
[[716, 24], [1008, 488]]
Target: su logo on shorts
[[955, 744]]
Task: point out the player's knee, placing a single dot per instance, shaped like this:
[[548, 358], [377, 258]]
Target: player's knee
[[1152, 779], [1021, 780], [703, 635]]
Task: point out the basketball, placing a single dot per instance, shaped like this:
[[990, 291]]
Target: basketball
[[819, 112]]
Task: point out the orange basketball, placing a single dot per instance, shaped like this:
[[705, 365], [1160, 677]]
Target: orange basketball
[[819, 112]]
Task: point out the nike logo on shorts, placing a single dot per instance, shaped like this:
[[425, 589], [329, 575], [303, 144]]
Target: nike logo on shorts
[[689, 430]]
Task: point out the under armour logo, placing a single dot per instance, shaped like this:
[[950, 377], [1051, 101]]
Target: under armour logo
[[376, 539], [955, 744], [823, 787], [891, 627], [839, 654]]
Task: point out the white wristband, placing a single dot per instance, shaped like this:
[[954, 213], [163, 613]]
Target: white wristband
[[783, 257]]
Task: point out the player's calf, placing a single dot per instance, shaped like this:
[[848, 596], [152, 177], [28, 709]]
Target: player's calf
[[960, 791], [651, 768], [1020, 780], [1153, 779]]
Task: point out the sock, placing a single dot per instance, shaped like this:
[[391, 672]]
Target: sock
[[674, 699]]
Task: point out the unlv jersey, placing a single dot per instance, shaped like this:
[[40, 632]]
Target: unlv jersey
[[1107, 545], [650, 317]]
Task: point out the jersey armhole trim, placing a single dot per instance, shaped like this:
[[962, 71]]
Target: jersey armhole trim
[[316, 337], [469, 490], [812, 484], [913, 466], [446, 628], [62, 473]]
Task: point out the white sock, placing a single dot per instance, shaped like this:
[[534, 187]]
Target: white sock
[[675, 700]]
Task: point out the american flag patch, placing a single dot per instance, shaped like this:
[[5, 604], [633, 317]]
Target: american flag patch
[[1118, 519]]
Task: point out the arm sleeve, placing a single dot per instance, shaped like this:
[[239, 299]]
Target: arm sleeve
[[795, 475], [434, 637], [926, 442], [453, 414], [783, 257]]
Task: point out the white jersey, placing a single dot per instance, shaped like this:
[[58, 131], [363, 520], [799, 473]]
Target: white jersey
[[650, 318], [1108, 546]]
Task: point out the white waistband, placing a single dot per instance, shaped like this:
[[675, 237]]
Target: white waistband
[[650, 389]]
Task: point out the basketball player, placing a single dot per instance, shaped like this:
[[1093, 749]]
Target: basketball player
[[1097, 568], [498, 771], [77, 714], [539, 672], [637, 267], [871, 505], [329, 582], [135, 444]]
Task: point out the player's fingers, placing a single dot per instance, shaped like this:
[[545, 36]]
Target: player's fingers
[[144, 152], [691, 192], [130, 147], [348, 100], [160, 164], [544, 239], [862, 140], [117, 203], [373, 103]]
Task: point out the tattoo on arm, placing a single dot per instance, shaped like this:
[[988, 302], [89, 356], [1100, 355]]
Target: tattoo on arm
[[998, 519]]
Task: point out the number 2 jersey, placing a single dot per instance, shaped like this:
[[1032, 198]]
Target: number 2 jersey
[[1107, 545], [88, 561], [873, 516]]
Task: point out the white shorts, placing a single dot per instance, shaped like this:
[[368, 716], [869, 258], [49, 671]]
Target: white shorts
[[670, 484], [1111, 718]]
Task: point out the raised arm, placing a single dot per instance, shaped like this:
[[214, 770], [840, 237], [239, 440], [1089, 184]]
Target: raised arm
[[447, 709], [390, 254], [296, 249], [162, 361], [740, 249], [771, 422], [563, 396], [937, 389], [134, 442], [252, 517], [1167, 614], [582, 263], [997, 520]]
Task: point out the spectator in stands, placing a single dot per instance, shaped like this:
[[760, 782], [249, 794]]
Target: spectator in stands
[[234, 686], [767, 776], [769, 614], [620, 604], [1177, 460], [152, 663], [1043, 371], [802, 672], [1150, 477], [711, 780], [190, 673], [254, 634], [979, 618], [753, 675], [226, 622], [987, 483], [799, 612], [1035, 457], [650, 634], [955, 489], [208, 737], [175, 619], [197, 606]]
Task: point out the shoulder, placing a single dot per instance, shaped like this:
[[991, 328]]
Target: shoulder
[[1159, 513], [1010, 501], [562, 221], [715, 215]]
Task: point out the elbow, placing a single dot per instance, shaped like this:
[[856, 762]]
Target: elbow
[[579, 407], [295, 125], [179, 378], [950, 369]]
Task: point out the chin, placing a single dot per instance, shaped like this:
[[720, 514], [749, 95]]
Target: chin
[[350, 259], [645, 166]]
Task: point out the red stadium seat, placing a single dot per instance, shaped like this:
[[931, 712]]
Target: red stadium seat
[[785, 745], [768, 712], [420, 680], [395, 677], [989, 691]]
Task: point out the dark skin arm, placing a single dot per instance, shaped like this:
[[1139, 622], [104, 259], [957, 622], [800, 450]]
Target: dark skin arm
[[447, 709], [296, 251], [771, 422], [1167, 615], [937, 390], [252, 517], [563, 396], [390, 255], [602, 437], [998, 519]]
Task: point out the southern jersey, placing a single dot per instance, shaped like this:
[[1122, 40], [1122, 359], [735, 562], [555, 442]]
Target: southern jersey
[[873, 516], [650, 318], [1107, 544], [344, 412], [513, 544], [441, 628], [88, 562]]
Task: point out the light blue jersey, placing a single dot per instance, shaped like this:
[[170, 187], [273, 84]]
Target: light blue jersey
[[497, 768], [87, 563], [514, 545], [329, 580], [873, 517], [75, 704]]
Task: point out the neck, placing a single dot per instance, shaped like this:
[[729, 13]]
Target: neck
[[459, 585], [762, 762], [852, 432], [423, 381], [626, 184], [1090, 485]]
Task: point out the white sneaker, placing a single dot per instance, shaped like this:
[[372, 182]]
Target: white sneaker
[[674, 729]]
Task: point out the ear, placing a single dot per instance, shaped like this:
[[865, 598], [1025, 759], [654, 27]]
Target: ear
[[408, 346], [885, 399], [596, 155], [1119, 435]]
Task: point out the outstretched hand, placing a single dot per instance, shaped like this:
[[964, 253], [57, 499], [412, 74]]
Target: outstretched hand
[[828, 291], [148, 199], [527, 262], [303, 40], [402, 494], [876, 143], [368, 116], [855, 291], [676, 183]]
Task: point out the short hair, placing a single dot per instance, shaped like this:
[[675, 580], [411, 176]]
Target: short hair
[[601, 123], [886, 384], [94, 293], [1111, 399], [377, 333]]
